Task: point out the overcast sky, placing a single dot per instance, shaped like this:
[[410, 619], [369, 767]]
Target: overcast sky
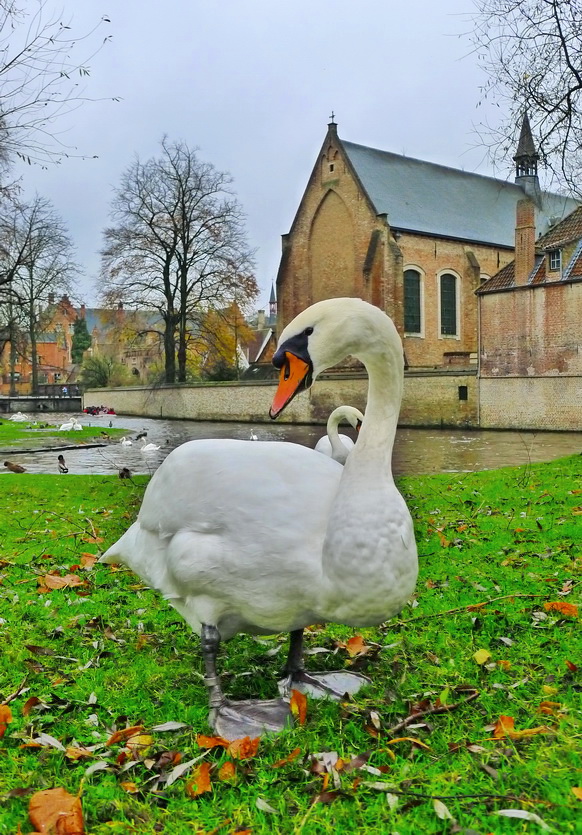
[[251, 84]]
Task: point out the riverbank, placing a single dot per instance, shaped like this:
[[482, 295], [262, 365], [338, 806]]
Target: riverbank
[[493, 631]]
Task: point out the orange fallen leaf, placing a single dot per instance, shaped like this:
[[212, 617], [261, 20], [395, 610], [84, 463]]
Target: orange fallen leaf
[[56, 811], [29, 704], [54, 581], [5, 719], [562, 607], [288, 759], [505, 727], [200, 781], [298, 705], [474, 607], [88, 561], [211, 741], [245, 748], [227, 771], [123, 734], [577, 791], [355, 646], [550, 708], [74, 753], [409, 739], [571, 666], [130, 788], [505, 665]]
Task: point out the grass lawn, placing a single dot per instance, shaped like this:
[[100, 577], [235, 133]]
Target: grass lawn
[[43, 432], [103, 653]]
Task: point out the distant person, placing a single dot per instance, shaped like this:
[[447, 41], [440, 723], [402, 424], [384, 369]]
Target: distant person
[[65, 391]]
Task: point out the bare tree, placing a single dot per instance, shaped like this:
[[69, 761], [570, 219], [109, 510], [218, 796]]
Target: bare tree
[[37, 253], [178, 245], [531, 51], [41, 75]]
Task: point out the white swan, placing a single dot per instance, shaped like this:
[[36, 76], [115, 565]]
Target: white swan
[[145, 447], [253, 436], [19, 417], [333, 444], [73, 423], [272, 537], [125, 441]]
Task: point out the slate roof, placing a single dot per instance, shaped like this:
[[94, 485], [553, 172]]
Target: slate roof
[[424, 197], [568, 230]]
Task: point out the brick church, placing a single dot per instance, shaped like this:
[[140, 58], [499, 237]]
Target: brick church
[[414, 238]]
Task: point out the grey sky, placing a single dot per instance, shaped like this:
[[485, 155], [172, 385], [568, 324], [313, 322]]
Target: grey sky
[[251, 83]]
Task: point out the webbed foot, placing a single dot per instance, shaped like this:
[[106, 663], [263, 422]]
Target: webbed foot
[[253, 717], [333, 685]]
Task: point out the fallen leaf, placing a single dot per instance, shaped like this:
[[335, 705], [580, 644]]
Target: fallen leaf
[[53, 581], [5, 719], [74, 753], [29, 704], [505, 665], [130, 788], [245, 748], [200, 782], [549, 691], [481, 656], [550, 708], [561, 606], [441, 810], [410, 739], [227, 771], [577, 791], [265, 807], [170, 726], [49, 741], [298, 706], [505, 727], [211, 741], [356, 646], [88, 561], [288, 759], [523, 815], [123, 734], [181, 769], [56, 811], [571, 666]]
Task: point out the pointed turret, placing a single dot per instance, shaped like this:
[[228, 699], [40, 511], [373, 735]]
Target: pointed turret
[[526, 157], [273, 306], [526, 176]]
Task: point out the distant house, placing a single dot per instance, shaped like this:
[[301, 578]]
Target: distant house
[[531, 322], [260, 348]]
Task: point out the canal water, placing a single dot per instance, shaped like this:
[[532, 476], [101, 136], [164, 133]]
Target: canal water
[[416, 451]]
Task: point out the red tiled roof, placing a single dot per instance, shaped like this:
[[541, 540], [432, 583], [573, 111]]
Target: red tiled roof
[[504, 278], [538, 275], [576, 268], [570, 229]]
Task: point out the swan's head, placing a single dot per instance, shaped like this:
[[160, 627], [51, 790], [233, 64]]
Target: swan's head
[[349, 413], [323, 335]]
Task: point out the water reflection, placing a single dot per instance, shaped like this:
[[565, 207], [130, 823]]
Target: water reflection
[[416, 450]]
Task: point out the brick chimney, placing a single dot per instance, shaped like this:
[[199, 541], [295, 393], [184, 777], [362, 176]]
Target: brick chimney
[[260, 320], [526, 176], [525, 240]]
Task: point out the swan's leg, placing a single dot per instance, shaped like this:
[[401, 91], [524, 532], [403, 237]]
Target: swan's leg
[[332, 685], [233, 720]]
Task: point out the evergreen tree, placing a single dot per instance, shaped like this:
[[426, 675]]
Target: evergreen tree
[[81, 340]]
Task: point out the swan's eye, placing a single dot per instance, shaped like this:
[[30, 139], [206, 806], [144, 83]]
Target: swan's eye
[[308, 331]]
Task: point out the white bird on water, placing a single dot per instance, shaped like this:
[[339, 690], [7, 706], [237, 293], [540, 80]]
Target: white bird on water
[[333, 444], [125, 441], [145, 447], [272, 536]]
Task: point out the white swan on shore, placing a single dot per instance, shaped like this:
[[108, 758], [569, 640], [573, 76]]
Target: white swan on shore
[[19, 417], [333, 444], [273, 537], [72, 424]]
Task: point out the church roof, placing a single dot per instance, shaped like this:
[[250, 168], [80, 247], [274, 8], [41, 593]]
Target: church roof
[[435, 200]]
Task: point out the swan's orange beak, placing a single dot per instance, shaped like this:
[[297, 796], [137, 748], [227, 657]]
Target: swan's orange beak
[[291, 379]]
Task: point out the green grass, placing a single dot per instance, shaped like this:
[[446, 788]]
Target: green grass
[[114, 654], [43, 432]]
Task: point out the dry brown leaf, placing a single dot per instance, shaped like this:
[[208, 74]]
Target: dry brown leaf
[[200, 781], [298, 705], [130, 788], [505, 665], [550, 708], [123, 734], [505, 726], [288, 759], [409, 739], [74, 753], [29, 704], [571, 666], [227, 771], [357, 646], [245, 748], [56, 812], [88, 561], [212, 741], [5, 719], [54, 581], [577, 791], [569, 609]]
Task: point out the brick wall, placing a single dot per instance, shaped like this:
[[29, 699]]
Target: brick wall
[[550, 403]]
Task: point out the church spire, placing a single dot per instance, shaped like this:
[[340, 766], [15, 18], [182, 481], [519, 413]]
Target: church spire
[[526, 157]]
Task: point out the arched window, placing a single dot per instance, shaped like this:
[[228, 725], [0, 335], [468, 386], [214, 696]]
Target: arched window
[[412, 302], [448, 298]]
